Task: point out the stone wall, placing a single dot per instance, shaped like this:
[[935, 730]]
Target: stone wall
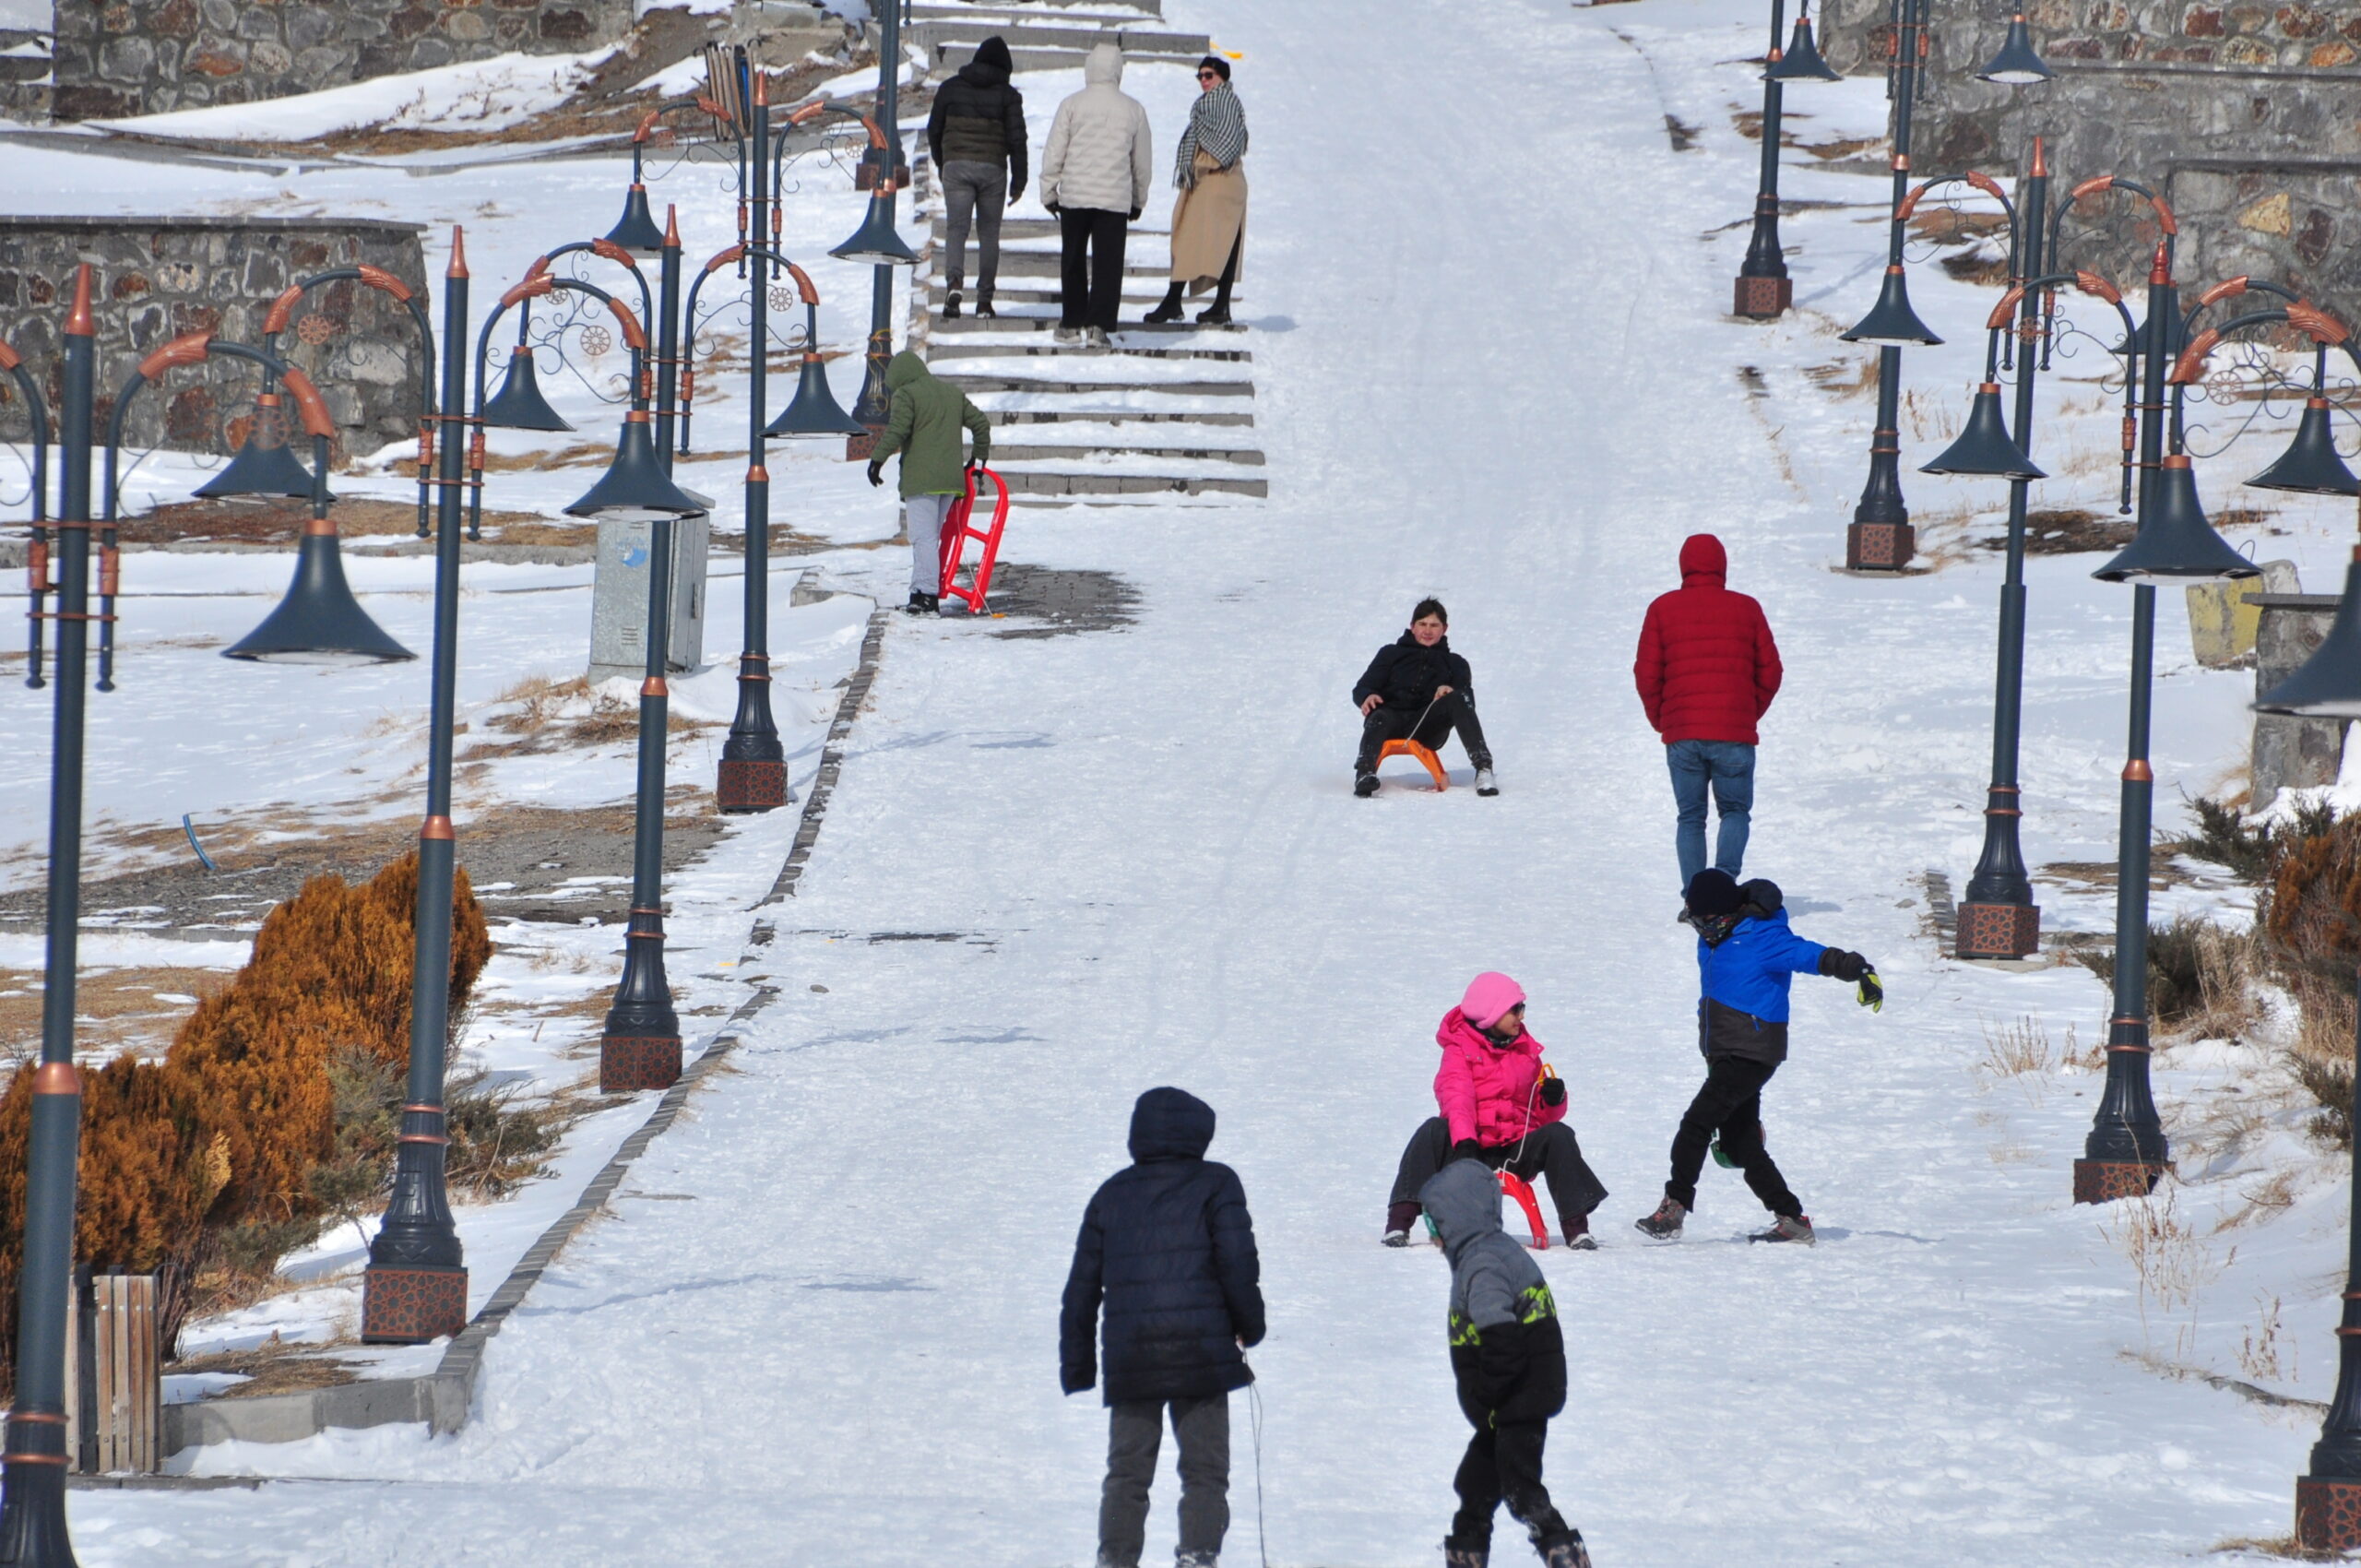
[[2246, 117], [122, 57], [157, 277]]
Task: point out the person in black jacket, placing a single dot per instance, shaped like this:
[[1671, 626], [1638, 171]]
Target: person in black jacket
[[1417, 688], [1168, 1247], [1508, 1357], [976, 134]]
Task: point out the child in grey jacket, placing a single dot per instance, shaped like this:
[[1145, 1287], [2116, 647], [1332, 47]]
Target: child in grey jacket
[[1510, 1360]]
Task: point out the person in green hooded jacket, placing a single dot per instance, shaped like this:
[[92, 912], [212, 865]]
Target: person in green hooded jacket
[[922, 424]]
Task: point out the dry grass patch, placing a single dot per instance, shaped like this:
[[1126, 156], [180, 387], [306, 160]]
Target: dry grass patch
[[114, 1010]]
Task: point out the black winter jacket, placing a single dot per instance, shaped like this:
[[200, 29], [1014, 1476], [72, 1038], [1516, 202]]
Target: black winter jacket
[[979, 118], [1168, 1246], [1406, 675]]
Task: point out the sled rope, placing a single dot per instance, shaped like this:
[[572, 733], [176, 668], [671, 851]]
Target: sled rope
[[1254, 1406]]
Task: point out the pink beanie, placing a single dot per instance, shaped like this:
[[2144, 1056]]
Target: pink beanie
[[1490, 997]]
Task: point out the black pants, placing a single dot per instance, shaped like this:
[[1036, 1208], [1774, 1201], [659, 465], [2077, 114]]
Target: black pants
[[1503, 1465], [1135, 1430], [1457, 711], [1552, 1152], [1730, 1103], [1092, 267]]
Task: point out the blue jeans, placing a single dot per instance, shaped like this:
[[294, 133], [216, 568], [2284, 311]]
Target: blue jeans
[[1728, 767]]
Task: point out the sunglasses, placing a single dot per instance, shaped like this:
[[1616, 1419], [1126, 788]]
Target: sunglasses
[[1209, 76]]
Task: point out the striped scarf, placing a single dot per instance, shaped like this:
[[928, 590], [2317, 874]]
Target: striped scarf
[[1216, 125]]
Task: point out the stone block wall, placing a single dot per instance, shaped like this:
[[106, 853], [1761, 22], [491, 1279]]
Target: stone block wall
[[122, 57], [156, 278], [2246, 118]]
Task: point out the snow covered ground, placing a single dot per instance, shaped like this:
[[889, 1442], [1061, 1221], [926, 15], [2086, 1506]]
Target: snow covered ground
[[1492, 364]]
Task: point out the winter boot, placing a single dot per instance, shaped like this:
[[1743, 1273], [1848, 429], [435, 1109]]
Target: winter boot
[[1563, 1549], [1169, 311], [1399, 1218], [951, 306], [984, 303], [1578, 1236], [1096, 338], [1665, 1224], [1214, 315], [1787, 1227], [921, 604], [1485, 783], [1364, 783], [1065, 334], [1196, 1559], [1457, 1553]]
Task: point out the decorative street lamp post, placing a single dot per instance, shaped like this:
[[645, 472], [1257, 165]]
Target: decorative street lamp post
[[871, 406], [2127, 1149], [1764, 290], [415, 1288], [1880, 537]]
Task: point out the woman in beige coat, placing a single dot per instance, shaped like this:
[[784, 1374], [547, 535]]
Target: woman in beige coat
[[1209, 218]]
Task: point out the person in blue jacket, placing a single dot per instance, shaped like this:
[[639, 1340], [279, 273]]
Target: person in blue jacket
[[1745, 955]]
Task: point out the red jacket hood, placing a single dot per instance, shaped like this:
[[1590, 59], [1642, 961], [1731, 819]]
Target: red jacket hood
[[1702, 556]]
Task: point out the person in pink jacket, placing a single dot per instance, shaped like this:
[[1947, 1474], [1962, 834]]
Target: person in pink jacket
[[1498, 1108]]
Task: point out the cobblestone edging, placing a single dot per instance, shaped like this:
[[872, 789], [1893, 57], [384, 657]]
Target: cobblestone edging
[[443, 1398]]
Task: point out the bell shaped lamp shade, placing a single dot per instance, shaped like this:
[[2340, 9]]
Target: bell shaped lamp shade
[[319, 622], [2177, 541], [2328, 684], [635, 231], [876, 241], [1985, 446], [814, 411], [264, 464], [518, 405], [1802, 62], [2311, 465], [1892, 320], [2016, 64], [635, 487]]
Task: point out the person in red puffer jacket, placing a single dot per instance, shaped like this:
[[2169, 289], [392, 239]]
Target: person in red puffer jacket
[[1498, 1108], [1707, 670]]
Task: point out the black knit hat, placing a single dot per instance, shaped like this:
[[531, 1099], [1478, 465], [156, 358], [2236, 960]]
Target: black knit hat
[[1712, 893]]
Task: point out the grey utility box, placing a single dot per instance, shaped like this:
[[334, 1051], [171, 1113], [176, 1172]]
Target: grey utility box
[[618, 598]]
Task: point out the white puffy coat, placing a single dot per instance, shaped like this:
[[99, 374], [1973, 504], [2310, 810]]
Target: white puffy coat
[[1098, 155]]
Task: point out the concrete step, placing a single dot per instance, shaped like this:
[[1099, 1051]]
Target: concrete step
[[1070, 354], [1123, 417], [1046, 229], [1070, 383], [1078, 35], [1251, 457], [1120, 10], [1043, 294], [1016, 262], [945, 58], [1029, 483], [1045, 320]]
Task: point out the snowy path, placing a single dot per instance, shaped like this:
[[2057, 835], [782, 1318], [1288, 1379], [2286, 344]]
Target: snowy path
[[1492, 369]]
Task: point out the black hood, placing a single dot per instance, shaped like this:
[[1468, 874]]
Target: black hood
[[1169, 1124], [991, 65]]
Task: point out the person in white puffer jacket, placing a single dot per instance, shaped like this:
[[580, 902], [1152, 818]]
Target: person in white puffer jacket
[[1095, 179]]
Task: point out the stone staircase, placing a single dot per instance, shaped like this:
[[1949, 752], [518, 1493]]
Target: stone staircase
[[1047, 37]]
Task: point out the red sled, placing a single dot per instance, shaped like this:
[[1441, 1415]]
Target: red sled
[[958, 530]]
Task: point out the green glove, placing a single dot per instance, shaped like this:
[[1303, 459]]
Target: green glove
[[1721, 1160], [1871, 996]]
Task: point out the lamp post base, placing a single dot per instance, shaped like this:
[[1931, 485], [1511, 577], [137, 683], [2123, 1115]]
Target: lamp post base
[[32, 1520], [2105, 1180], [1998, 930], [410, 1306], [750, 784], [1879, 547], [2328, 1513], [627, 1065], [858, 447], [1763, 299]]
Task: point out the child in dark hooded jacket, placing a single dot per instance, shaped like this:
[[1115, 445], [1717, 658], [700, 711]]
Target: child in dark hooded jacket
[[1510, 1360], [1746, 956]]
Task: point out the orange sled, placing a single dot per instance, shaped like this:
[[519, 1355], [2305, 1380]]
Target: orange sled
[[1426, 758], [958, 530]]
